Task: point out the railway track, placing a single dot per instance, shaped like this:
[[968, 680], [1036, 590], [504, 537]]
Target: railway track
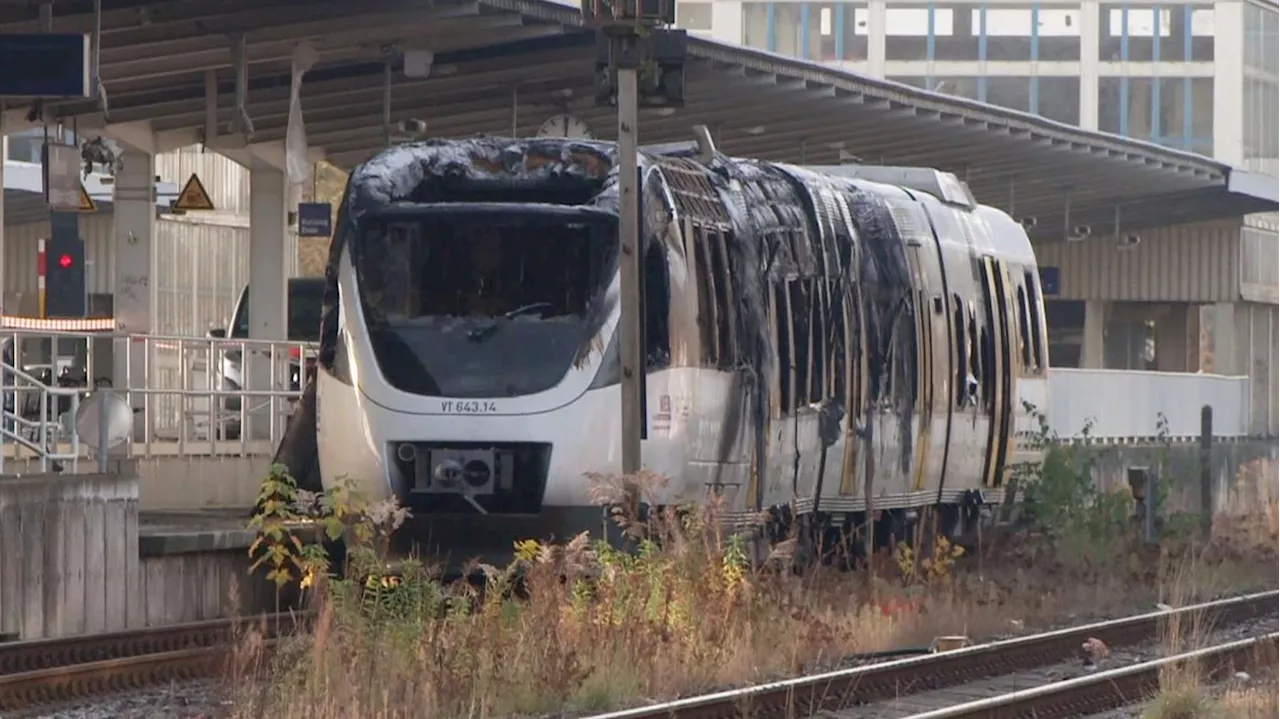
[[828, 693], [46, 671], [1113, 689]]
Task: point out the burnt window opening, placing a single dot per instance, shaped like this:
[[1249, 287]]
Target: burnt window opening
[[924, 347], [820, 324], [724, 298], [959, 340], [566, 189], [333, 349], [1035, 302], [451, 296], [854, 371], [1024, 332], [987, 346], [904, 382], [657, 307], [715, 310], [483, 270], [782, 330], [839, 344], [988, 365], [972, 349], [801, 294]]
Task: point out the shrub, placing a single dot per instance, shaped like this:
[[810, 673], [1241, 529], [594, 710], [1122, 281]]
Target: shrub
[[580, 624]]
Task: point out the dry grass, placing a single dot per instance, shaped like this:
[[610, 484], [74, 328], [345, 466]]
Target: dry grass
[[597, 629], [1261, 701], [1183, 693]]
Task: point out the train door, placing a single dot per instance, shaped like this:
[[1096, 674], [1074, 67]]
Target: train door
[[997, 346], [855, 337], [932, 356], [924, 372]]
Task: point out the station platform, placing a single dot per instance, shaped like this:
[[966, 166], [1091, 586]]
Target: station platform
[[188, 532]]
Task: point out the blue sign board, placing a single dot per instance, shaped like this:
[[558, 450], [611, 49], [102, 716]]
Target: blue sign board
[[1049, 281], [315, 219], [45, 65]]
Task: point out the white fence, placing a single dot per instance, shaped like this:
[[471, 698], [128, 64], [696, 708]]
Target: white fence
[[190, 392], [1129, 404]]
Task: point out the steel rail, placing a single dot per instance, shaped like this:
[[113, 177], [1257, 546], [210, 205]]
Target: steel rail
[[49, 670], [1115, 688], [836, 690]]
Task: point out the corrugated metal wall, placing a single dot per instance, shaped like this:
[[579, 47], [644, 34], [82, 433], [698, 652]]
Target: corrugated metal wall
[[201, 267], [1259, 256], [1184, 263], [226, 181]]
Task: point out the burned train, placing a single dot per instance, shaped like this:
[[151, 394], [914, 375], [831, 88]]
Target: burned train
[[820, 341]]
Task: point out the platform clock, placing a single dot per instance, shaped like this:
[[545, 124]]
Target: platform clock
[[566, 125]]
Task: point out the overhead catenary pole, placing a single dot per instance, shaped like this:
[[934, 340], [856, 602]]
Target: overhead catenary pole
[[639, 62], [629, 263]]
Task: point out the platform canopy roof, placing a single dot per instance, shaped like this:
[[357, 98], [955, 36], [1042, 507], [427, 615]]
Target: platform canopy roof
[[506, 66]]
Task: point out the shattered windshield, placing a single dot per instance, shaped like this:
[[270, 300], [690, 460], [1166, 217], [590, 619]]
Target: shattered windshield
[[483, 300]]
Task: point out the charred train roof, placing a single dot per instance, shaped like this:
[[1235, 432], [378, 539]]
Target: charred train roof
[[765, 196]]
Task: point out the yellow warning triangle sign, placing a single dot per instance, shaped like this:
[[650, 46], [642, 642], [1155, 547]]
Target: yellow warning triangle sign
[[86, 203], [193, 196]]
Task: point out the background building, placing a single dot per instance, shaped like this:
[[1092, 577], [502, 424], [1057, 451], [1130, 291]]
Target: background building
[[1200, 76]]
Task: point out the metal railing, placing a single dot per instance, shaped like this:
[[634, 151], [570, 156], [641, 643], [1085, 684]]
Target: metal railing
[[38, 431], [190, 395]]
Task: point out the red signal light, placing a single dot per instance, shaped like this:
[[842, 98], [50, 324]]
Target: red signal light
[[64, 261]]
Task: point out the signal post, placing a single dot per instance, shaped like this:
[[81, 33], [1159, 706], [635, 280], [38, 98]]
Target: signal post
[[639, 63]]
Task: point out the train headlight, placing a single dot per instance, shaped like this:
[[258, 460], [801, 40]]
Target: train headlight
[[476, 473], [448, 473]]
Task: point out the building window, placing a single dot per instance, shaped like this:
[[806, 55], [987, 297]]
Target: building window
[[970, 87], [1011, 92], [972, 32], [1126, 33], [1261, 124], [1261, 49], [924, 83], [830, 31], [965, 41], [910, 31], [1148, 33], [26, 146], [1058, 34], [814, 31], [1058, 98], [693, 15], [757, 23], [1175, 112]]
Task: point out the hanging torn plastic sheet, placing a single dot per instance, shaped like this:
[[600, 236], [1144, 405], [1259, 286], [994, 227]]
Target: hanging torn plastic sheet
[[296, 159]]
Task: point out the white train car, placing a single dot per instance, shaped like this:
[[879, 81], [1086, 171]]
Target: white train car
[[805, 329]]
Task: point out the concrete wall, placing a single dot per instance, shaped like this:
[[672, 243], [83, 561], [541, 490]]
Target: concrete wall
[[68, 555], [196, 481], [1245, 474], [70, 562], [1124, 405]]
